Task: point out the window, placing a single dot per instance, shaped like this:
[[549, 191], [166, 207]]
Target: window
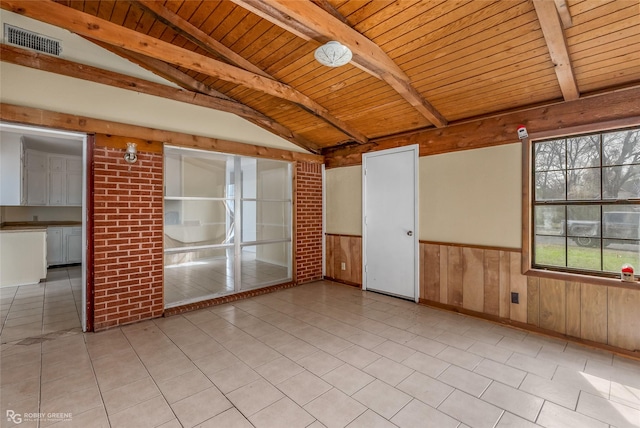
[[586, 202], [227, 224]]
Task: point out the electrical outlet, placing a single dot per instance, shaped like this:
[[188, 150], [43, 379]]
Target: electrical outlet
[[515, 298], [343, 266], [35, 218]]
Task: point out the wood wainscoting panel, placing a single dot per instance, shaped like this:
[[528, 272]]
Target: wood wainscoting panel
[[553, 305], [518, 312], [505, 284], [533, 300], [573, 308], [345, 249], [444, 274], [454, 276], [430, 272], [330, 258], [479, 279], [593, 312], [492, 277], [355, 268], [623, 324], [473, 279], [422, 252]]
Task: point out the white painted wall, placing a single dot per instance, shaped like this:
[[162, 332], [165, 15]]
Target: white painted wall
[[33, 88], [469, 197]]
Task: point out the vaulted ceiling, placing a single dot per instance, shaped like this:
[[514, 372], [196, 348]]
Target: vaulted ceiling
[[417, 64]]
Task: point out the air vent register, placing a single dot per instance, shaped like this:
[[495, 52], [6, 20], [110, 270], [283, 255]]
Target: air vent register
[[28, 39]]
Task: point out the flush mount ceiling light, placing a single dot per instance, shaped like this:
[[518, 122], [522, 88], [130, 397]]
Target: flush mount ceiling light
[[333, 54]]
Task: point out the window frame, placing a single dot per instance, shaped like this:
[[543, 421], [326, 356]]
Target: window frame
[[235, 194], [528, 219]]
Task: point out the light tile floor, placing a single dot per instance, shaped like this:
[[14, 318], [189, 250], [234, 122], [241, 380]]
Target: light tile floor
[[318, 355], [49, 307]]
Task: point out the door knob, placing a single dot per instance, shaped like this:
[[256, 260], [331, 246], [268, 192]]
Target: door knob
[[410, 233]]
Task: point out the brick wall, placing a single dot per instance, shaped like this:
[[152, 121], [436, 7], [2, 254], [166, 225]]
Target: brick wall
[[128, 239], [308, 246]]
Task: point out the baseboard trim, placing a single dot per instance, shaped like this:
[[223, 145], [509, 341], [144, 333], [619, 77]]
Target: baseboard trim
[[176, 310], [351, 284]]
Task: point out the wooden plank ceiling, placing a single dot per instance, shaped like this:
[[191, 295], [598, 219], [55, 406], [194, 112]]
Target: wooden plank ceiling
[[417, 65]]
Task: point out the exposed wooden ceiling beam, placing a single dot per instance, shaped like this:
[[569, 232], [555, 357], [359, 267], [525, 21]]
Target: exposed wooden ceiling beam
[[619, 106], [105, 31], [307, 20], [557, 45], [197, 36], [328, 7], [27, 58], [164, 70], [565, 14], [189, 83], [278, 18]]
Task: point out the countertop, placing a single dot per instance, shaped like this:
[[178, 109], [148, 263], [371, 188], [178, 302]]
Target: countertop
[[15, 226]]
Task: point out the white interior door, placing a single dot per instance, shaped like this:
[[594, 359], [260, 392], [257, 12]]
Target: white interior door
[[390, 235]]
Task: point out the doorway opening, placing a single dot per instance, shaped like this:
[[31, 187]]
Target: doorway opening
[[390, 222], [43, 200]]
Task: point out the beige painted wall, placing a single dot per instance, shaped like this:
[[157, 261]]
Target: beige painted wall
[[469, 197], [344, 200], [472, 197], [33, 88]]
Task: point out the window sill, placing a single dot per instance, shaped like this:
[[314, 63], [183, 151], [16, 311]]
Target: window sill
[[587, 279]]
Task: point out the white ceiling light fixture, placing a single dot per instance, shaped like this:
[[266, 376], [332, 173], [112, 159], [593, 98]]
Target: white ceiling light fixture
[[333, 54]]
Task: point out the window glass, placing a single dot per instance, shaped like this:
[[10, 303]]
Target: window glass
[[550, 185], [621, 182], [621, 147], [586, 202], [583, 184], [265, 264], [550, 155], [211, 200]]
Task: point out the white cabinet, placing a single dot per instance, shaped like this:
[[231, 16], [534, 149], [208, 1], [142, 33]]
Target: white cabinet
[[22, 257], [72, 244], [74, 181], [65, 180], [64, 245], [52, 179], [55, 254], [36, 178]]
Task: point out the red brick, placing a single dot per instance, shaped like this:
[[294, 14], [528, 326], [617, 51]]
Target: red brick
[[121, 192]]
